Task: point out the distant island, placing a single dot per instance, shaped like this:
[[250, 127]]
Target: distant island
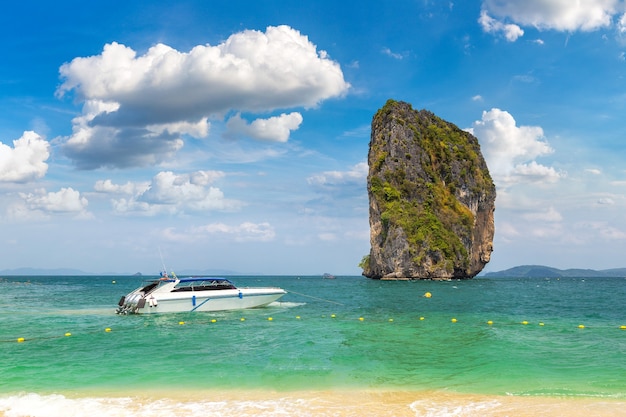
[[540, 271], [78, 272]]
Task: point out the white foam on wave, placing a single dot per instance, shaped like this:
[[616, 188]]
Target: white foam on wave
[[285, 304], [55, 405], [429, 408]]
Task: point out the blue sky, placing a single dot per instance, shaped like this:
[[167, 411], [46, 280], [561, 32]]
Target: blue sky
[[234, 135]]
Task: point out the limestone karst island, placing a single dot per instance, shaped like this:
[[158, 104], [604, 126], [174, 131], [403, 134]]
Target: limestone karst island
[[431, 198]]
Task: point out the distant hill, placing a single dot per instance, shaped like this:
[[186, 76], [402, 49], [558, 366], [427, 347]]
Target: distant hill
[[540, 271], [43, 271]]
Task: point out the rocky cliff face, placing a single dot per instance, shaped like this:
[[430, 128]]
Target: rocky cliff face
[[432, 199]]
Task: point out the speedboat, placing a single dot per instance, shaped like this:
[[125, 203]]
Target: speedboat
[[176, 295]]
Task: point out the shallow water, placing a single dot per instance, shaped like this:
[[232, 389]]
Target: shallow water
[[325, 341]]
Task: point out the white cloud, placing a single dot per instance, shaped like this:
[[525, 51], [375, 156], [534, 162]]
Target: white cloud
[[602, 229], [510, 150], [130, 188], [490, 25], [533, 172], [477, 97], [199, 129], [593, 171], [273, 129], [356, 174], [560, 15], [548, 215], [327, 237], [605, 201], [245, 232], [392, 54], [24, 162], [66, 200], [170, 193], [136, 107], [621, 25]]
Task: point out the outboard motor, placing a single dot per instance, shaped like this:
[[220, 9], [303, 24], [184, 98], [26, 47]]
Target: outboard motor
[[130, 304]]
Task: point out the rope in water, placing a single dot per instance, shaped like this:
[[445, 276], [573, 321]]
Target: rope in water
[[315, 298]]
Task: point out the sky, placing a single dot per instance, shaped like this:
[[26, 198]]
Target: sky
[[233, 135]]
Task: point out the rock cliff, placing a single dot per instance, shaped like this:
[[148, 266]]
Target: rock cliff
[[431, 197]]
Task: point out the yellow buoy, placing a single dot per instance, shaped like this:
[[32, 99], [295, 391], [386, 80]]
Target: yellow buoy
[[68, 334], [332, 316], [213, 321], [361, 319], [20, 339], [490, 322], [453, 320], [622, 327], [427, 295], [421, 318], [270, 319], [581, 326], [390, 320], [242, 319], [524, 322], [541, 323], [181, 322], [297, 317], [108, 329]]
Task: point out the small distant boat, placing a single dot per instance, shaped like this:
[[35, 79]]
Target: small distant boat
[[175, 295], [328, 276]]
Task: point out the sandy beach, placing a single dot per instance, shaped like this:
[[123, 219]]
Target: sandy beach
[[344, 403]]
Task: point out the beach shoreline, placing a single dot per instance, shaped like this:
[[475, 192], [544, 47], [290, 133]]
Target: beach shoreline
[[339, 403]]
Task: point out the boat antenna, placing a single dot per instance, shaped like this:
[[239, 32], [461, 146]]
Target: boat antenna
[[164, 271]]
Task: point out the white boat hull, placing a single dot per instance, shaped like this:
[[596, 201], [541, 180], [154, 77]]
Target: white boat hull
[[195, 294], [250, 298]]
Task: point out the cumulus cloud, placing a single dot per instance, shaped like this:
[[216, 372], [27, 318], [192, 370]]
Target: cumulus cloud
[[510, 150], [274, 129], [560, 15], [66, 200], [136, 107], [168, 192], [25, 161]]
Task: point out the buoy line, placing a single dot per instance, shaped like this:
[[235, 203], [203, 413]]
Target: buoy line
[[415, 321]]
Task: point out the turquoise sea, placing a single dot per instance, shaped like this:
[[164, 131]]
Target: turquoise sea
[[344, 347]]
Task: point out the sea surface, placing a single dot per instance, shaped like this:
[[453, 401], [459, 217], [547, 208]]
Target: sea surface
[[348, 346]]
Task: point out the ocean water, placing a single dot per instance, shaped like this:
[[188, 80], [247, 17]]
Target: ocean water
[[344, 347]]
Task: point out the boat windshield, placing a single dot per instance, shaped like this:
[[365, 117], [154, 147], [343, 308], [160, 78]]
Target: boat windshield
[[150, 286], [204, 284]]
